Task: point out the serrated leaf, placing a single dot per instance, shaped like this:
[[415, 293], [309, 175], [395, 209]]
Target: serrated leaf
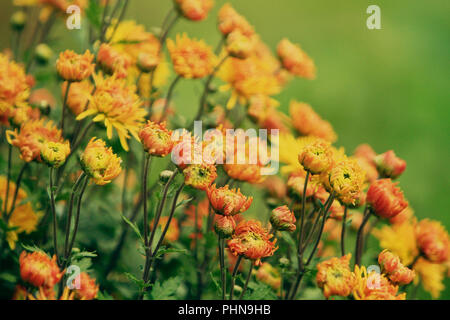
[[32, 248], [83, 254], [259, 291], [139, 282], [134, 227], [165, 290], [163, 250]]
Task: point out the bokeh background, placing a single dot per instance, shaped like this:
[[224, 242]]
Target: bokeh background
[[388, 87]]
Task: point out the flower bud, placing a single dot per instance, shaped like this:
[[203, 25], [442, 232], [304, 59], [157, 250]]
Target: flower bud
[[389, 165], [284, 262], [18, 20], [433, 241], [224, 226], [156, 139], [146, 62], [54, 154], [165, 175], [283, 219], [385, 198], [43, 53], [316, 157]]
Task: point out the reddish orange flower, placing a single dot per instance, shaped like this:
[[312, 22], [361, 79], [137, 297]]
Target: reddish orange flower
[[75, 67], [230, 20], [195, 10], [389, 165], [316, 157], [88, 288], [365, 151], [156, 139], [252, 241], [307, 122], [295, 60], [334, 276], [191, 58], [395, 270], [250, 173], [374, 286], [224, 225], [283, 219], [433, 240], [31, 138], [79, 95], [385, 198], [38, 269], [200, 176], [112, 61], [402, 217], [228, 202]]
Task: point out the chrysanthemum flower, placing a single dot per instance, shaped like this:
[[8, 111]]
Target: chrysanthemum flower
[[38, 269], [224, 225], [250, 173], [346, 179], [365, 151], [389, 165], [118, 106], [31, 138], [173, 232], [42, 98], [369, 168], [252, 241], [385, 198], [88, 288], [99, 162], [228, 202], [269, 275], [283, 219], [75, 67], [239, 45], [263, 111], [230, 20], [334, 276], [391, 265], [295, 60], [307, 122], [200, 176], [191, 58], [78, 96], [195, 10], [432, 276], [14, 89], [374, 286], [156, 139], [54, 154], [316, 157], [112, 61], [403, 216], [433, 240], [296, 183]]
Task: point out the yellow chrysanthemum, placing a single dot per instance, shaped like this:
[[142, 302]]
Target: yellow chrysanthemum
[[118, 106], [289, 149], [431, 276], [374, 286]]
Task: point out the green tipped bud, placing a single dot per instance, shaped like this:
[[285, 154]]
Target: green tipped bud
[[18, 20], [165, 175], [43, 53], [284, 262]]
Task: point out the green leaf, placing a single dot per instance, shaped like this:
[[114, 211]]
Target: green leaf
[[8, 277], [134, 227], [163, 250], [32, 248], [166, 290], [94, 14], [139, 282], [259, 291], [104, 296], [183, 202], [83, 254]]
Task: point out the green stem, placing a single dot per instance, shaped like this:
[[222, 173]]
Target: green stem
[[16, 191], [52, 204], [169, 97], [246, 281], [8, 179], [344, 221], [233, 276], [359, 236], [222, 265], [63, 113]]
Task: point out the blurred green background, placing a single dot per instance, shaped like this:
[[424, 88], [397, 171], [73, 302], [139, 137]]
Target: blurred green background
[[387, 87]]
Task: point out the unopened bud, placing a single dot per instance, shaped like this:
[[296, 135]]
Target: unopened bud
[[284, 262], [165, 175], [18, 20], [224, 226], [43, 53]]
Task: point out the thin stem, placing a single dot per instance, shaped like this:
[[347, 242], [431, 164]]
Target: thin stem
[[302, 222], [359, 236], [77, 219], [165, 34], [8, 179], [16, 191], [222, 266], [233, 276], [246, 281], [201, 108], [169, 97], [144, 195], [122, 15], [52, 204], [63, 113], [413, 263], [344, 222], [69, 215]]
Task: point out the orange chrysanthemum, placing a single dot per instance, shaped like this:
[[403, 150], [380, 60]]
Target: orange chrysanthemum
[[38, 269], [191, 58], [433, 240], [88, 288], [224, 225], [230, 20], [252, 241], [75, 67], [228, 202], [283, 219], [99, 162], [200, 176], [295, 60], [112, 61], [156, 139], [31, 138], [394, 269], [195, 10], [374, 286], [334, 276], [79, 95], [316, 157], [385, 198], [389, 165], [307, 122], [117, 105], [346, 180]]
